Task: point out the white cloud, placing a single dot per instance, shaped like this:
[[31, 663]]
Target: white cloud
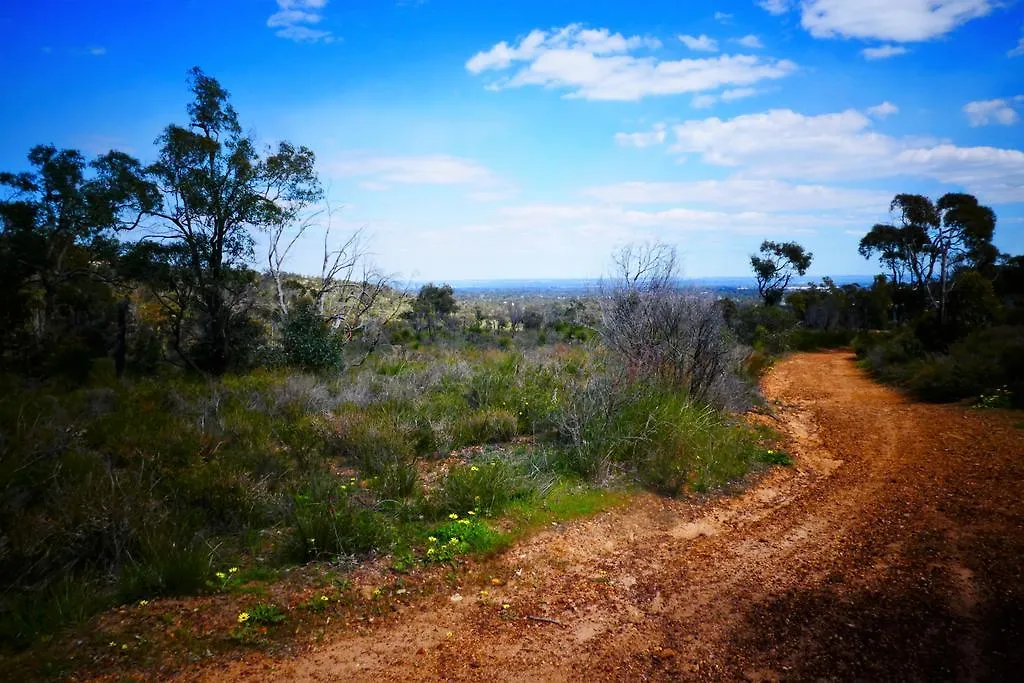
[[751, 41], [723, 17], [291, 16], [984, 112], [883, 52], [703, 101], [742, 194], [774, 6], [737, 94], [97, 51], [883, 110], [646, 139], [434, 169], [701, 43], [599, 65], [1017, 51], [293, 20], [783, 144], [896, 20]]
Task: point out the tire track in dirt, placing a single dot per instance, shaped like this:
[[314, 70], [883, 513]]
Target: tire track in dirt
[[890, 551]]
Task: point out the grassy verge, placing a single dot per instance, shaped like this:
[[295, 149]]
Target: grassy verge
[[134, 493]]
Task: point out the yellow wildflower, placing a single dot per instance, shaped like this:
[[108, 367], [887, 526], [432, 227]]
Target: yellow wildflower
[[243, 617], [474, 468], [233, 570], [453, 516]]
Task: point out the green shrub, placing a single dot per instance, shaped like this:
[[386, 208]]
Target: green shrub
[[485, 426], [309, 342], [28, 614], [397, 481], [460, 537], [329, 519], [170, 562], [373, 441], [667, 441], [487, 487], [265, 614]]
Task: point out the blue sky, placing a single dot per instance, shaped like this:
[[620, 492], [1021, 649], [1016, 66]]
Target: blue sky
[[492, 139]]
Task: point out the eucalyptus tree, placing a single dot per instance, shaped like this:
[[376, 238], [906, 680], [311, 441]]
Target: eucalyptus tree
[[776, 266], [215, 189], [930, 241]]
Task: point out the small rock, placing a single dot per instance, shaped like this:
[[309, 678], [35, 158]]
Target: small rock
[[666, 653]]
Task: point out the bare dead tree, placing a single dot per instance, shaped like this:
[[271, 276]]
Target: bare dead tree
[[662, 333], [645, 267], [349, 286]]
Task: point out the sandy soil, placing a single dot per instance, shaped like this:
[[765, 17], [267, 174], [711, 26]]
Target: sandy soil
[[893, 550]]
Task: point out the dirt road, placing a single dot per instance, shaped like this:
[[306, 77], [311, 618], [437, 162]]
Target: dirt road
[[893, 550]]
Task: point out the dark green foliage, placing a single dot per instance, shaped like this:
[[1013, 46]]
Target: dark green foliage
[[168, 562], [985, 361], [777, 264], [432, 307], [308, 340]]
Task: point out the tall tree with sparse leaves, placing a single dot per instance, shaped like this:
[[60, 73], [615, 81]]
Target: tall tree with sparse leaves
[[215, 190]]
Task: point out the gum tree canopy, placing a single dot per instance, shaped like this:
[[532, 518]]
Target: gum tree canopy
[[930, 241], [777, 264], [214, 189]]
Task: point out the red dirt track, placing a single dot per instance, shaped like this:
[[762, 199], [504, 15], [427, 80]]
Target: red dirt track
[[892, 550]]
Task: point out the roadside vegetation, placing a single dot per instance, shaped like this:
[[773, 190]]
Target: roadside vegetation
[[174, 422]]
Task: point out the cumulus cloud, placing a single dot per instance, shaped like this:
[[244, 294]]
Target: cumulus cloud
[[596, 64], [723, 17], [895, 20], [900, 21], [774, 6], [751, 41], [984, 112], [655, 136], [784, 144], [294, 20], [883, 110], [701, 43], [883, 52]]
